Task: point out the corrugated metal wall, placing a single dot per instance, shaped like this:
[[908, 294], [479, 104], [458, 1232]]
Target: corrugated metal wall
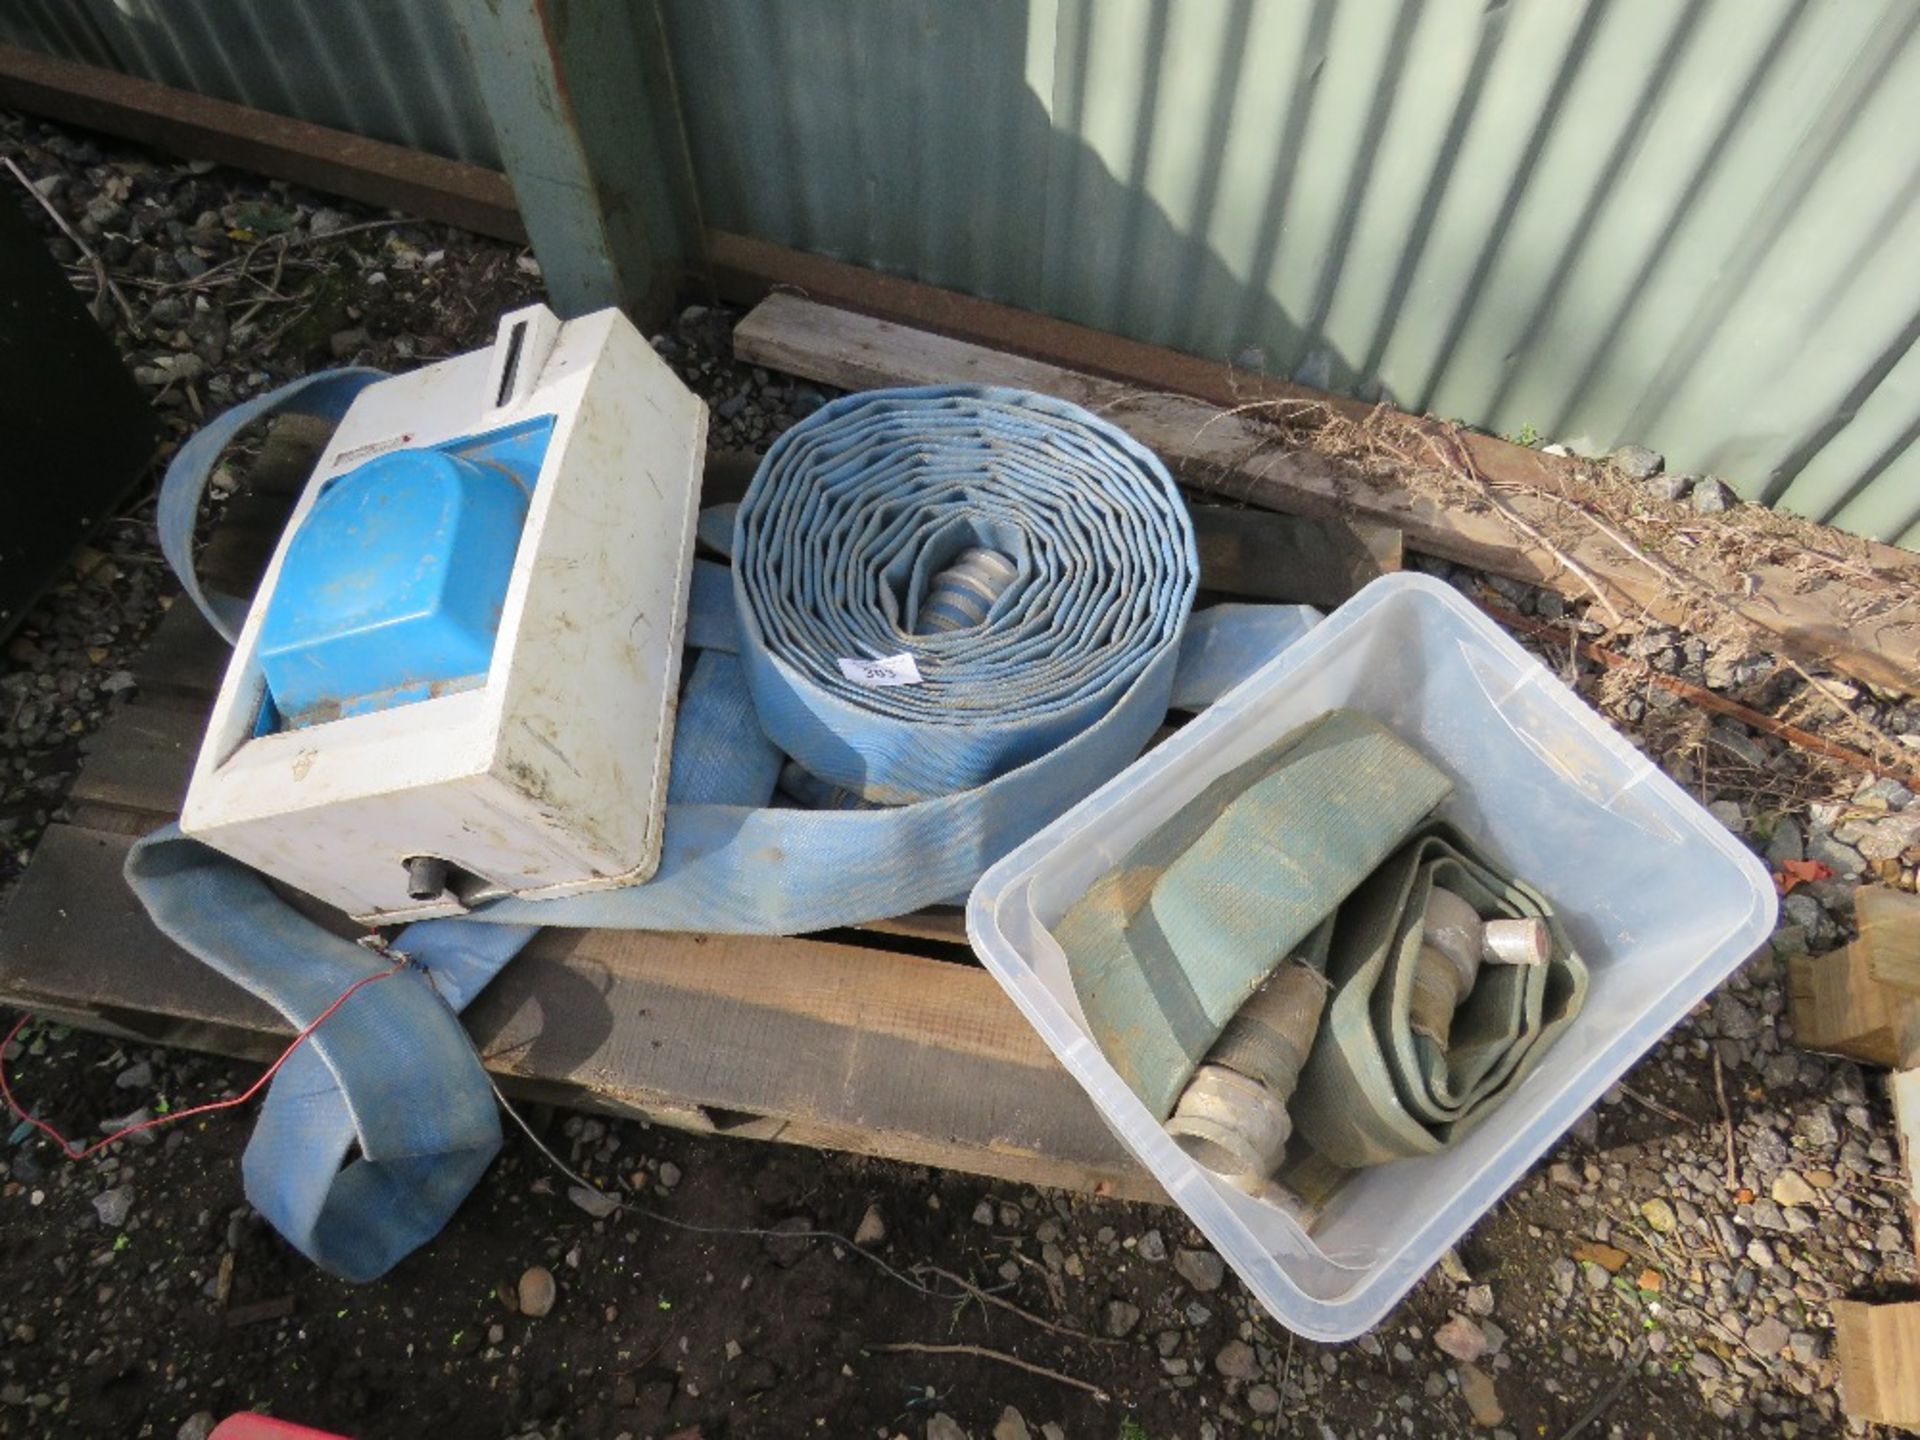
[[392, 69], [1690, 223], [1687, 224]]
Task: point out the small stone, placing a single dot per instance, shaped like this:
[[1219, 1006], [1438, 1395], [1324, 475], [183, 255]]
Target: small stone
[[1197, 1314], [983, 1213], [1711, 496], [197, 1426], [1564, 1272], [1886, 839], [326, 221], [1012, 1425], [1152, 1247], [1790, 1189], [1731, 817], [1668, 487], [669, 1174], [1483, 1403], [1706, 1367], [944, 1427], [1735, 1020], [873, 1227], [596, 1203], [140, 1139], [342, 343], [1837, 856], [1760, 1253], [1884, 793], [1741, 746], [1237, 1361], [1263, 1400], [1563, 1176], [113, 1206], [1122, 1316], [1659, 1214], [537, 1292], [1454, 1268], [1637, 462], [137, 1076], [1202, 1269], [496, 1334], [1480, 1300], [1461, 1338], [1769, 1337]]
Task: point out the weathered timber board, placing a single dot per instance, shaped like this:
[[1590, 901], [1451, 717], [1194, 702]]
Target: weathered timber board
[[799, 1040]]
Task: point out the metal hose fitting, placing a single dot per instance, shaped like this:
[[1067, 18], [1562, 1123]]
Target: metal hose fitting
[[960, 596], [1455, 942], [1232, 1117]]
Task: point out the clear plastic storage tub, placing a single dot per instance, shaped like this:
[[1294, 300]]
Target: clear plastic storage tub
[[1661, 901]]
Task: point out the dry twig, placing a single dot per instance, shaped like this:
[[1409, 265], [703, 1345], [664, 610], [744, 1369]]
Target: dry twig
[[1726, 1120], [991, 1299], [1665, 1112], [981, 1352], [1460, 464]]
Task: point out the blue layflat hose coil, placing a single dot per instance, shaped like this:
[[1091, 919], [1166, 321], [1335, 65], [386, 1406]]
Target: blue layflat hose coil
[[859, 539]]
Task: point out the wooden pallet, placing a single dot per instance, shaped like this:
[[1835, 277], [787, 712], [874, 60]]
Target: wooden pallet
[[887, 1041]]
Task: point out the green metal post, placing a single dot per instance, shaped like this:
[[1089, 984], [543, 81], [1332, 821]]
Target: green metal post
[[583, 105]]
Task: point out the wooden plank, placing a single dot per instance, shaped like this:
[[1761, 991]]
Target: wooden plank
[[798, 1040], [372, 171], [1837, 1007], [1889, 923], [140, 761], [747, 270], [182, 656], [1234, 454], [1878, 1348]]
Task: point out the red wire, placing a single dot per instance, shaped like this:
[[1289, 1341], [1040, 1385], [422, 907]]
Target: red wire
[[66, 1145]]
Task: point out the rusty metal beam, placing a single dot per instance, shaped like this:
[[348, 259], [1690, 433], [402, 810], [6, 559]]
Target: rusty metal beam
[[583, 106], [371, 171]]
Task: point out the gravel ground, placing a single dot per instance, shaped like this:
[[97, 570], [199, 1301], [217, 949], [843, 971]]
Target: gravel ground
[[1666, 1272]]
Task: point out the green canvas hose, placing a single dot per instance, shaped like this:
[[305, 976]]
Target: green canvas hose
[[1303, 951]]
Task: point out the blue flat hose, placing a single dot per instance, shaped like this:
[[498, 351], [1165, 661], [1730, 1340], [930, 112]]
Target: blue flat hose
[[1035, 562]]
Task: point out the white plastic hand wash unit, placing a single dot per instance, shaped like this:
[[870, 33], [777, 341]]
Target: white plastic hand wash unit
[[458, 676]]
